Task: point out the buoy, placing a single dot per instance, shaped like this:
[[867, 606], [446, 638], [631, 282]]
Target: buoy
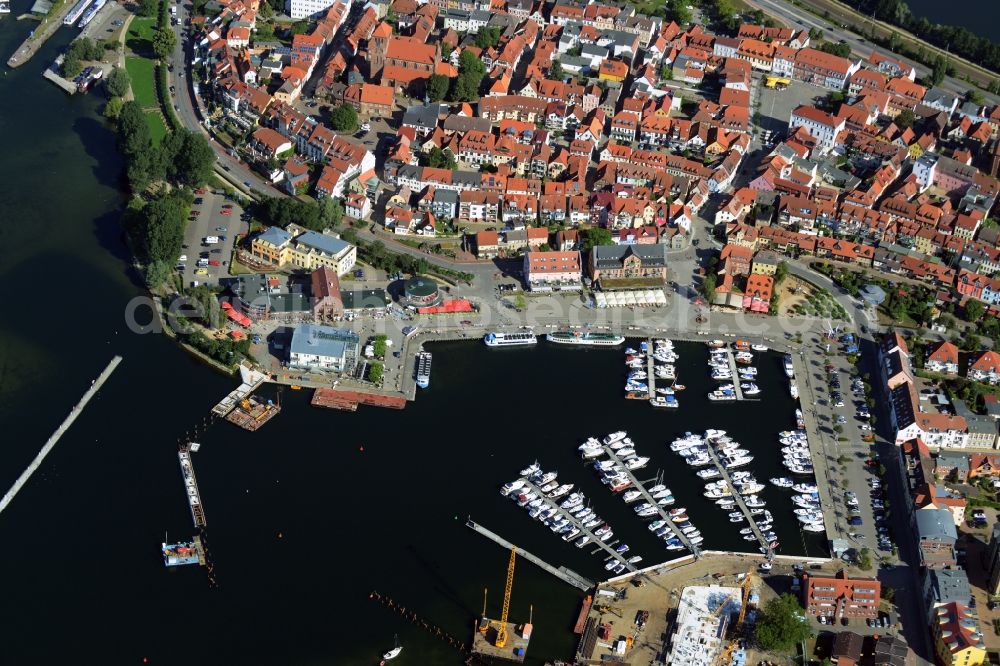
[[361, 448], [280, 535]]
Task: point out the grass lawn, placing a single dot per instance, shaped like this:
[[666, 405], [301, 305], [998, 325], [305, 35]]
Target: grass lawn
[[142, 72], [157, 128], [140, 35]]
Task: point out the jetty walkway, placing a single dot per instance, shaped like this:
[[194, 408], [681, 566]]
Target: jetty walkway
[[739, 500], [584, 531], [562, 573], [191, 488], [664, 515], [95, 386]]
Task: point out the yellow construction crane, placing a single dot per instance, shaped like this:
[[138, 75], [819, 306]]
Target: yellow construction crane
[[502, 630]]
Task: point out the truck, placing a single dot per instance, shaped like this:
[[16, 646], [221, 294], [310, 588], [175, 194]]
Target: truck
[[202, 263], [210, 240]]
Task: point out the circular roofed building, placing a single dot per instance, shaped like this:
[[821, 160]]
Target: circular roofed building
[[421, 292]]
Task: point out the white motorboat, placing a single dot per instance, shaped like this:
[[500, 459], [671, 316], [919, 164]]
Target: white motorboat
[[394, 652], [814, 527], [614, 437], [532, 470], [583, 541], [807, 488], [709, 473], [545, 478], [635, 559], [625, 452], [782, 482], [759, 348], [508, 488], [656, 524], [750, 389], [632, 495]]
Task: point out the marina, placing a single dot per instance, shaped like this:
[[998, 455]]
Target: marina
[[644, 493], [589, 532], [732, 488]]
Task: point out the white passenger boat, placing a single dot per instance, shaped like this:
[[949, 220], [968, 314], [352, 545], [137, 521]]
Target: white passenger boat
[[782, 482], [632, 495], [814, 527], [759, 348], [499, 339]]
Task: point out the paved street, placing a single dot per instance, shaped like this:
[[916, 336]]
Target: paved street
[[799, 18]]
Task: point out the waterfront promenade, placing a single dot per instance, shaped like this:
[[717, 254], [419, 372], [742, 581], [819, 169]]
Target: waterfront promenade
[[39, 36]]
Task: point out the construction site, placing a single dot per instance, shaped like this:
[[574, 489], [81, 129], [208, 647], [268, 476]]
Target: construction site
[[693, 614], [499, 638]]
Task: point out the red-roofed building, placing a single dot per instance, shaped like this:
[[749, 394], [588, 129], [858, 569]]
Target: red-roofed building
[[942, 357], [757, 295], [839, 596]]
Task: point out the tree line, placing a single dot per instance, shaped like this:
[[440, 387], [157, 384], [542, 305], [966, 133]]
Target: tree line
[[462, 88], [155, 221], [954, 39]]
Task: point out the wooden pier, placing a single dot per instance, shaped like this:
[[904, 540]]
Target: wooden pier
[[664, 515], [191, 488], [735, 372], [252, 413], [650, 369], [252, 379], [95, 386], [562, 573], [739, 499], [584, 531]]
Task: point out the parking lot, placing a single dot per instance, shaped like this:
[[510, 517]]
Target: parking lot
[[210, 217]]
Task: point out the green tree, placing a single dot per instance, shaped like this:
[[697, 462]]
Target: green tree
[[446, 50], [596, 236], [133, 132], [782, 625], [113, 108], [487, 37], [344, 118], [441, 159], [677, 10], [939, 71], [148, 7], [375, 373], [905, 119], [865, 559], [780, 272], [379, 346], [164, 42], [974, 96], [974, 310], [266, 13], [117, 82], [331, 211], [556, 72], [71, 66], [437, 87]]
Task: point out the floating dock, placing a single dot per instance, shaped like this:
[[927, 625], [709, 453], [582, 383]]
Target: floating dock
[[562, 573], [650, 369], [664, 515], [184, 553], [252, 379], [739, 501], [349, 400], [736, 375], [252, 413], [584, 531], [191, 488]]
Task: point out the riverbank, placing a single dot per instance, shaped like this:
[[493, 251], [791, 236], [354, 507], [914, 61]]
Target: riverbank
[[842, 14], [37, 37]]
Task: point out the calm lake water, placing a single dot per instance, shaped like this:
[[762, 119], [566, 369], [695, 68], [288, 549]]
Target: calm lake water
[[308, 515], [982, 18]]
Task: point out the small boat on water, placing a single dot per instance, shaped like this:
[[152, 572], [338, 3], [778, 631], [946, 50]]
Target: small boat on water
[[717, 344], [394, 652], [782, 482], [759, 348]]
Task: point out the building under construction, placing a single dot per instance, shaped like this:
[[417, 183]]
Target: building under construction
[[499, 638]]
